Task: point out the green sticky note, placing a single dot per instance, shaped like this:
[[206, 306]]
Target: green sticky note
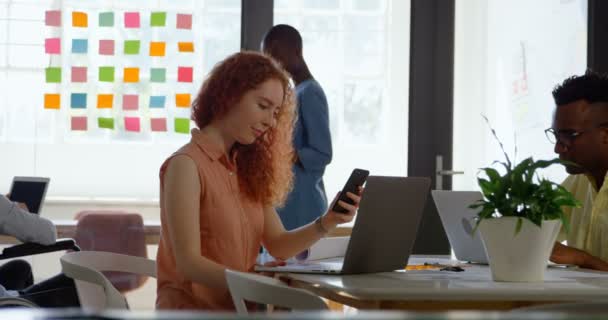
[[157, 75], [182, 125], [53, 74], [106, 74], [106, 19], [105, 123], [132, 47], [158, 19]]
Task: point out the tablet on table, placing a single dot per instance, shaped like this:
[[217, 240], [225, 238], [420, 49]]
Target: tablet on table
[[29, 190]]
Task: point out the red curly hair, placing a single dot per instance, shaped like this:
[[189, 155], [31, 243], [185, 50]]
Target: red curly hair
[[264, 167]]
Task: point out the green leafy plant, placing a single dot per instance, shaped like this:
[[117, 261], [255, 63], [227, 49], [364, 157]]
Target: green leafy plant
[[521, 193]]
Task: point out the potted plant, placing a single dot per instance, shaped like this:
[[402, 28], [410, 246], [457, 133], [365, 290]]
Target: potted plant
[[520, 217]]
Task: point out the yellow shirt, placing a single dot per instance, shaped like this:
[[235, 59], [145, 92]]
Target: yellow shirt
[[589, 223]]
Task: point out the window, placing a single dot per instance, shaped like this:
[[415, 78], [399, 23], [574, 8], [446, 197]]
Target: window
[[358, 50], [100, 163], [506, 65]]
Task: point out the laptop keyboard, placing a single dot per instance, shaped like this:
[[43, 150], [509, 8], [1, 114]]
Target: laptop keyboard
[[321, 266]]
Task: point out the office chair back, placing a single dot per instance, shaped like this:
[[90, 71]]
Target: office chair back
[[113, 231], [265, 290]]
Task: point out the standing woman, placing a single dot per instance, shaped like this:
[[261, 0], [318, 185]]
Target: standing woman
[[219, 191]]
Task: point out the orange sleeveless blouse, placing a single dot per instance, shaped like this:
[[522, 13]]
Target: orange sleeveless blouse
[[231, 230]]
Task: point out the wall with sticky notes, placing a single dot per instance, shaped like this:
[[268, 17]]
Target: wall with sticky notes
[[95, 94], [133, 53]]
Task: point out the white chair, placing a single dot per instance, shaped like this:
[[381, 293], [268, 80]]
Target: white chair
[[95, 291], [256, 288]]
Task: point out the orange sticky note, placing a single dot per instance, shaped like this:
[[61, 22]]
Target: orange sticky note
[[185, 47], [52, 101], [182, 100], [157, 49], [105, 101], [80, 19], [131, 74]]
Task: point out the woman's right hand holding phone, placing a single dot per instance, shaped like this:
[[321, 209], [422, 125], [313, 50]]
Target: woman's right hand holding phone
[[332, 219]]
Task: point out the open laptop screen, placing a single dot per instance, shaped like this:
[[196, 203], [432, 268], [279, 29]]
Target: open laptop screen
[[29, 190]]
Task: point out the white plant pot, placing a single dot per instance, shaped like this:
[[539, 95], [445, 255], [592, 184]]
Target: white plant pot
[[520, 257]]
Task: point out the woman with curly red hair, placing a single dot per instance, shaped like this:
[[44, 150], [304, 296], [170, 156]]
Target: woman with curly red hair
[[219, 191]]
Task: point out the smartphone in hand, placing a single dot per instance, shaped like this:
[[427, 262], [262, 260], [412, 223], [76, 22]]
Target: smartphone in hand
[[357, 179]]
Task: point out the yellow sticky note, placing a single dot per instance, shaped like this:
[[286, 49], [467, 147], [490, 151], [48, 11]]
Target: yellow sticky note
[[182, 100], [157, 49], [185, 47], [105, 101], [131, 75], [79, 19], [52, 101]]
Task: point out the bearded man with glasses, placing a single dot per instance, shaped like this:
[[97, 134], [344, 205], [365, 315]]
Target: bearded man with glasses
[[580, 134]]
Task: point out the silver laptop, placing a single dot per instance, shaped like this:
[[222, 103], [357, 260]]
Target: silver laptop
[[384, 231], [458, 222]]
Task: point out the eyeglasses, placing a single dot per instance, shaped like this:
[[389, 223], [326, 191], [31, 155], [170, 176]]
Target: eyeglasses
[[567, 137]]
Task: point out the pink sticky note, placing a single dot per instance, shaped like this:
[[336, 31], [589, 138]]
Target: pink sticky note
[[130, 102], [131, 19], [52, 45], [132, 124], [53, 18], [158, 124], [79, 123], [184, 74], [184, 21], [79, 74], [106, 47]]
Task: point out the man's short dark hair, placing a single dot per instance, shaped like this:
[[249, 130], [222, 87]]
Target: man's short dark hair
[[592, 87], [284, 35]]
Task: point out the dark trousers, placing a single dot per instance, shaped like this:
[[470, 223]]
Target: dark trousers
[[16, 275], [56, 292]]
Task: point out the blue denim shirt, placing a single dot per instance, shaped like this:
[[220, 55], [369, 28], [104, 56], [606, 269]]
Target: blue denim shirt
[[312, 143]]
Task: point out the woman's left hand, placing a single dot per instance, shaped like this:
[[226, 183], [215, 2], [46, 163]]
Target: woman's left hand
[[274, 263], [332, 218]]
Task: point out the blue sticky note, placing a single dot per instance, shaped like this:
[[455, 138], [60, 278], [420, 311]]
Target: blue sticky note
[[78, 101], [80, 45], [157, 101]]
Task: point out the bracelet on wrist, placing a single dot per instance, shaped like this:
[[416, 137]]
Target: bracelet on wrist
[[320, 227]]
